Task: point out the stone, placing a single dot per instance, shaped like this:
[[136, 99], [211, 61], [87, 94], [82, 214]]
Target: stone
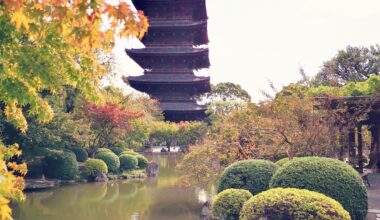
[[206, 213], [34, 184], [152, 169], [101, 177]]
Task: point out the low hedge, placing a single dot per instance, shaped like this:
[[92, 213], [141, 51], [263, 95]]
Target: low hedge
[[228, 203], [330, 177], [111, 159], [94, 166], [294, 204], [252, 175], [80, 153], [60, 165], [142, 161], [128, 162]]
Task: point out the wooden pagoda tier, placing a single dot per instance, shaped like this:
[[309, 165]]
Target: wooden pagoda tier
[[173, 50], [194, 10], [183, 111], [177, 33], [170, 57]]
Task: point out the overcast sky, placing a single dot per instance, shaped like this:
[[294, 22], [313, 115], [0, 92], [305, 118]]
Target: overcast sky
[[253, 41]]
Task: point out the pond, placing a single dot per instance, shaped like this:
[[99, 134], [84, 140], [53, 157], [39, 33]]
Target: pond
[[156, 198]]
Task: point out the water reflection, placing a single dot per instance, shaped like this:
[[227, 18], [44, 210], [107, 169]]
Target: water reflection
[[159, 199]]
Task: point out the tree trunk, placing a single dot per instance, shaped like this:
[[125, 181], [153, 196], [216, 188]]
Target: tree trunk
[[360, 149]]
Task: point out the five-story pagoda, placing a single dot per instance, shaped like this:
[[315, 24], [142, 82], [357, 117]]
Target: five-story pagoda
[[174, 48]]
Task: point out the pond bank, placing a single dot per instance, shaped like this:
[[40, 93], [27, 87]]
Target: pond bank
[[152, 198]]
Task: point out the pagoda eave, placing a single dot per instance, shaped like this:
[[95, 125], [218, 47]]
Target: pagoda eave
[[149, 58]]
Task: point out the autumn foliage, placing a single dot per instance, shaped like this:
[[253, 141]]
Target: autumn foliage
[[108, 120]]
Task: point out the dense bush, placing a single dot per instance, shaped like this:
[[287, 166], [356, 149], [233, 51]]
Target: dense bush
[[118, 150], [128, 162], [294, 204], [142, 161], [111, 159], [327, 176], [100, 150], [228, 203], [281, 162], [129, 152], [94, 166], [252, 175], [35, 168], [80, 153], [60, 165]]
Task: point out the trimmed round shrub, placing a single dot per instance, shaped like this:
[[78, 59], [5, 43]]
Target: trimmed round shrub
[[228, 203], [281, 162], [128, 162], [92, 167], [297, 204], [102, 149], [118, 150], [60, 165], [328, 176], [129, 152], [80, 153], [142, 161], [252, 175], [111, 159]]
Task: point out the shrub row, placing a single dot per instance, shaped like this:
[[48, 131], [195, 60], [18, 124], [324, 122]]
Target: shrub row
[[326, 176]]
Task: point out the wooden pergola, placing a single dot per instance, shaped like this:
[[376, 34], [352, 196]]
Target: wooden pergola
[[361, 111]]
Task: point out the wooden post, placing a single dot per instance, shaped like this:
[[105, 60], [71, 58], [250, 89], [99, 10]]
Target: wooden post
[[360, 149], [342, 144], [351, 145], [374, 155]]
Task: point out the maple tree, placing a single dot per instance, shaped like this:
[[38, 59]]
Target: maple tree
[[106, 120]]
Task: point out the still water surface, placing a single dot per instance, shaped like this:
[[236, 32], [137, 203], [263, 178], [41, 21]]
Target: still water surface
[[151, 199]]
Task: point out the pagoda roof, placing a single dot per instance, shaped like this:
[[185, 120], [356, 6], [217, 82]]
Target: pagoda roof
[[176, 24], [182, 106], [168, 78], [170, 57], [159, 51], [174, 83]]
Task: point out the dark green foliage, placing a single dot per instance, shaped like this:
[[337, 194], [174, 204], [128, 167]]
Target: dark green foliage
[[80, 153], [295, 204], [142, 161], [92, 167], [35, 168], [128, 162], [118, 150], [252, 175], [60, 165], [111, 159], [327, 176], [228, 203]]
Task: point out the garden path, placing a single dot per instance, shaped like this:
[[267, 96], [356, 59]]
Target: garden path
[[374, 197]]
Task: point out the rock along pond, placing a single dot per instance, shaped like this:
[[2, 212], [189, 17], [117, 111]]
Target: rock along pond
[[149, 199]]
